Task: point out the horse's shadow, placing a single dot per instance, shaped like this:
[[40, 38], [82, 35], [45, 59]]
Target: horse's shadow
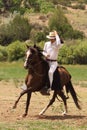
[[55, 117]]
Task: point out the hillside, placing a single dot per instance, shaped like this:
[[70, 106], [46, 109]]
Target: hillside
[[78, 19]]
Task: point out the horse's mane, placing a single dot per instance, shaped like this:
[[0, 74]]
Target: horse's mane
[[42, 57]]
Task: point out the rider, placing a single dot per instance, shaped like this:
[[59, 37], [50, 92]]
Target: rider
[[51, 49]]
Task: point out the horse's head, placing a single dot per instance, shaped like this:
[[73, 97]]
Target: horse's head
[[33, 54]]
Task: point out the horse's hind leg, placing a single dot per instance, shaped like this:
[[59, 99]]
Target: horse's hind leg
[[61, 94], [49, 104]]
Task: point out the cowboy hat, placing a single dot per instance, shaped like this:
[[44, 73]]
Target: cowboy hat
[[51, 35]]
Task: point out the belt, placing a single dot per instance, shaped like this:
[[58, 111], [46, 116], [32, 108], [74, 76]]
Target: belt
[[51, 60]]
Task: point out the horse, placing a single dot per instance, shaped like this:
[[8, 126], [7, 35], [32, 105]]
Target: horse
[[37, 76]]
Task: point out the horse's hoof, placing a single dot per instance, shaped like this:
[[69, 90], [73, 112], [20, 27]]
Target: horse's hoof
[[14, 107], [64, 113], [41, 113], [24, 115]]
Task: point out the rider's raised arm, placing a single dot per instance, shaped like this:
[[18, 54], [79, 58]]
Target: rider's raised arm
[[58, 40]]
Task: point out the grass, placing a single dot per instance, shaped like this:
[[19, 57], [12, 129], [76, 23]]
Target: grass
[[16, 71], [40, 125], [79, 74], [13, 70]]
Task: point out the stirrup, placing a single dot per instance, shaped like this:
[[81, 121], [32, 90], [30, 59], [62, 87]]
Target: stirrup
[[45, 91]]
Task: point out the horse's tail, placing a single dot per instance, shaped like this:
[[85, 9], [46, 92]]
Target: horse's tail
[[70, 89]]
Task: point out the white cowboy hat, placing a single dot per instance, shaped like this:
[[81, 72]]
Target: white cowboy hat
[[51, 35]]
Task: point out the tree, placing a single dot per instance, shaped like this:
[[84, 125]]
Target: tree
[[18, 29], [59, 22]]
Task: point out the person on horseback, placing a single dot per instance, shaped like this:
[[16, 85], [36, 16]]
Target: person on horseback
[[51, 49]]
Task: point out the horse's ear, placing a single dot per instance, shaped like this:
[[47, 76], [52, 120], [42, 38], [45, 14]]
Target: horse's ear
[[27, 46], [34, 46]]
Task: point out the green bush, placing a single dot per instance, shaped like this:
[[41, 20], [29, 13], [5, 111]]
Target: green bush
[[1, 4], [46, 7], [38, 33], [5, 34], [66, 55], [40, 36], [77, 34], [18, 29], [16, 51], [59, 22], [85, 1], [80, 53], [75, 53], [3, 53]]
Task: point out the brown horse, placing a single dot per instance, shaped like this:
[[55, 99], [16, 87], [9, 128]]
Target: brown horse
[[37, 78]]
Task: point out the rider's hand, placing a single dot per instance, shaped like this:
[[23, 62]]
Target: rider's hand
[[55, 32], [47, 56]]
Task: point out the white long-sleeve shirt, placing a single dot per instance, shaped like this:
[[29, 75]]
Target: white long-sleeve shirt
[[52, 49]]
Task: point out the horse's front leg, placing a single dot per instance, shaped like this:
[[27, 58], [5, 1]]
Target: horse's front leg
[[49, 104], [27, 104], [21, 94]]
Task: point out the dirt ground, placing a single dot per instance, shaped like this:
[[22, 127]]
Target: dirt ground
[[9, 93]]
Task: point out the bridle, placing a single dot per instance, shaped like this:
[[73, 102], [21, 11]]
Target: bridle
[[32, 65]]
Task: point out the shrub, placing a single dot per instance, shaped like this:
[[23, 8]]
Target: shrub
[[77, 34], [66, 55], [85, 1], [80, 53], [1, 5], [40, 36], [38, 33], [16, 50], [3, 53], [21, 28], [59, 22], [46, 7], [5, 35], [18, 29], [75, 53]]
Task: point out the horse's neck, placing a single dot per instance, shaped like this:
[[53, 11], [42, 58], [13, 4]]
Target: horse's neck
[[37, 67]]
